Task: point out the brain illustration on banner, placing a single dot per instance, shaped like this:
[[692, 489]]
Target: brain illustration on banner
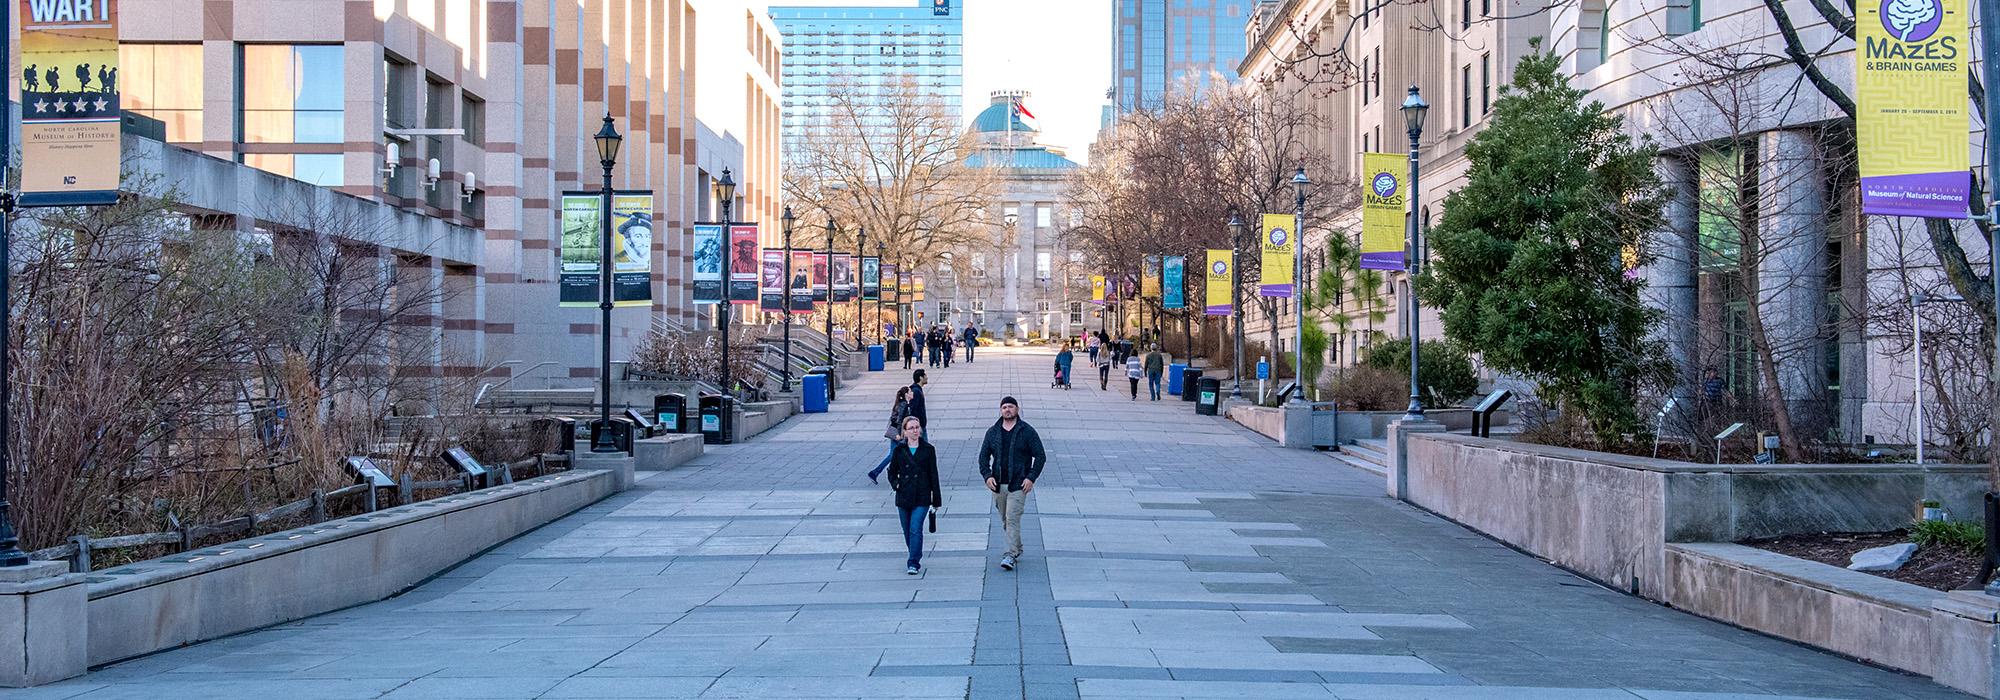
[[1911, 20]]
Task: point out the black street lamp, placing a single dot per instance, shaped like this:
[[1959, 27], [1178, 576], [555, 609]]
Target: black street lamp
[[861, 251], [1301, 185], [10, 543], [881, 290], [602, 434], [1414, 109], [1236, 295], [725, 194], [829, 293], [786, 371]]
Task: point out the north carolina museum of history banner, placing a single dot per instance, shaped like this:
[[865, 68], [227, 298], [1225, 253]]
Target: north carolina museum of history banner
[[70, 120]]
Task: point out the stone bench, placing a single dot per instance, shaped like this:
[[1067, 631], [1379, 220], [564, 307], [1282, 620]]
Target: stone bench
[[664, 452]]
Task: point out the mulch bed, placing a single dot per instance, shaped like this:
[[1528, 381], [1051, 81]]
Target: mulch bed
[[1937, 568]]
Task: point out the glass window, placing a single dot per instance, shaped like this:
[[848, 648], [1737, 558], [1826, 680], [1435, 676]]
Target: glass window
[[1465, 96], [1485, 83], [472, 118], [1045, 215], [323, 169], [1043, 265], [163, 81], [291, 94], [395, 93]]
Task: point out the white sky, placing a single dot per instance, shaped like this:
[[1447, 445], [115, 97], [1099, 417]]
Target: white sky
[[1059, 50]]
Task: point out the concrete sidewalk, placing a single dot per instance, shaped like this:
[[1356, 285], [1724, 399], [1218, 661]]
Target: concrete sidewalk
[[1169, 555]]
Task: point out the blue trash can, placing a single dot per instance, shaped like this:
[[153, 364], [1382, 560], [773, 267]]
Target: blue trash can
[[875, 358], [812, 388], [1174, 378]]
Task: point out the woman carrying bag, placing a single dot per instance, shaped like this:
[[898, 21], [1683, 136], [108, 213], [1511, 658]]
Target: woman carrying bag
[[913, 473], [893, 432]]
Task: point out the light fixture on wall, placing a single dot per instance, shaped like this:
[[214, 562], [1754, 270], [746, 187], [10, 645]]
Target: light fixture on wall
[[468, 184], [392, 158], [432, 173]]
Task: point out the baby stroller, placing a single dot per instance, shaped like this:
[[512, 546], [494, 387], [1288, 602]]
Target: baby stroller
[[1061, 379]]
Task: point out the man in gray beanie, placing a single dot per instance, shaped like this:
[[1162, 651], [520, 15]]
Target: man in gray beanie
[[1011, 460]]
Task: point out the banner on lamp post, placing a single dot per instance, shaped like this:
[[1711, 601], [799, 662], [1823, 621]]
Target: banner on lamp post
[[583, 251], [871, 278], [1279, 245], [841, 269], [1384, 198], [1173, 269], [802, 281], [707, 264], [1911, 125], [917, 287], [1149, 277], [743, 257], [71, 121], [771, 286], [1097, 289], [1219, 294]]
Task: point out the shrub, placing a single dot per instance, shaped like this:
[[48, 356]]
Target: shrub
[[1365, 388], [1963, 535], [1445, 370]]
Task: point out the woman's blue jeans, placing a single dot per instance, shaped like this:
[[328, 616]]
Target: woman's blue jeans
[[877, 471], [913, 531]]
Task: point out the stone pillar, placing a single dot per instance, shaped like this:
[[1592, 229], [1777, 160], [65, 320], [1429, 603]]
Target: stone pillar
[[1670, 277], [1791, 265], [45, 618], [1963, 626], [1399, 453]]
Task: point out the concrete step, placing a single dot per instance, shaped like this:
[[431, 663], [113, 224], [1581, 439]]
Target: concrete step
[[1362, 464], [1372, 450]]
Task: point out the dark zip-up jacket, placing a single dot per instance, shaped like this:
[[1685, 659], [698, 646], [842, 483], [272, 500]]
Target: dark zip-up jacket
[[916, 407], [1023, 461]]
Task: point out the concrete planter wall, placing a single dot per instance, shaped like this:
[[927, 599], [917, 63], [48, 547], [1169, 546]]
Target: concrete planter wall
[[248, 584], [1359, 425]]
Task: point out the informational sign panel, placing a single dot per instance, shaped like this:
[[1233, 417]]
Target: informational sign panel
[[70, 118], [743, 257], [1383, 201], [1219, 297], [583, 248], [707, 263], [871, 278], [1174, 271], [1279, 245], [1911, 122]]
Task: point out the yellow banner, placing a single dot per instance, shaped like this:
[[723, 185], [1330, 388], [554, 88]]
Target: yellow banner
[[1149, 277], [1280, 246], [1097, 289], [917, 288], [70, 119], [1384, 198], [1220, 297], [1911, 122]]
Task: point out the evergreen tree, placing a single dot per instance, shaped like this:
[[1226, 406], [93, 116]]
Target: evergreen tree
[[1532, 257]]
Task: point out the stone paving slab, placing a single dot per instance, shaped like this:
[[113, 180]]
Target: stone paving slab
[[1169, 556]]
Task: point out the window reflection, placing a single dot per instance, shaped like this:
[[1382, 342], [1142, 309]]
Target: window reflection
[[291, 93], [323, 169], [163, 81]]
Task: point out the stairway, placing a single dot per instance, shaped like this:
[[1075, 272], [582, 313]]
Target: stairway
[[1368, 454]]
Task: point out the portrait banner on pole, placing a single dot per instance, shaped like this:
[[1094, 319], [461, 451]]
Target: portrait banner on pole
[[707, 263], [1219, 298], [821, 291], [1174, 269], [871, 278], [583, 248], [1149, 277], [1278, 244], [743, 251], [70, 113], [842, 270], [1910, 121], [771, 281], [802, 281], [1383, 201]]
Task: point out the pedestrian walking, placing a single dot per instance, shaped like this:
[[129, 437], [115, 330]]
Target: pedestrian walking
[[933, 343], [1063, 360], [949, 342], [971, 337], [1156, 364], [909, 350], [918, 337], [893, 432], [916, 407], [1133, 369], [1011, 459], [1092, 343], [913, 474], [1104, 372]]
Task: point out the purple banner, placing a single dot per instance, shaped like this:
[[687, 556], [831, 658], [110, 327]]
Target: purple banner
[[1382, 261], [1929, 195]]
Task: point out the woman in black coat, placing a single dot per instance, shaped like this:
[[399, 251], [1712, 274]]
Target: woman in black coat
[[913, 473]]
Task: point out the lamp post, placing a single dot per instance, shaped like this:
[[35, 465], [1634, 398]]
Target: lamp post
[[1236, 296], [785, 373], [1300, 184], [601, 437], [10, 543], [861, 251], [1414, 109], [881, 290], [829, 293], [725, 195]]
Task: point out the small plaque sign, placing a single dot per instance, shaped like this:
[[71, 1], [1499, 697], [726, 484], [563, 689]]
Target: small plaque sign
[[365, 469], [464, 462]]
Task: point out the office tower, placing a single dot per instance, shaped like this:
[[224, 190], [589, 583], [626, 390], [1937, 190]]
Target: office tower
[[1157, 44], [868, 45]]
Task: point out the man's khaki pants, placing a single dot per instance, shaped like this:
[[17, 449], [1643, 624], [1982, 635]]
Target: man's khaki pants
[[1010, 504]]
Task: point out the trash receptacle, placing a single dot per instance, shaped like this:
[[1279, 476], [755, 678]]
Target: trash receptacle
[[1325, 425], [670, 412], [717, 419], [1174, 378], [1209, 403], [617, 434], [876, 360], [894, 350], [825, 374], [1190, 383], [812, 393]]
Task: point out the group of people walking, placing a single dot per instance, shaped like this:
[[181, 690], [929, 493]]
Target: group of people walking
[[1106, 353], [1010, 459], [941, 344]]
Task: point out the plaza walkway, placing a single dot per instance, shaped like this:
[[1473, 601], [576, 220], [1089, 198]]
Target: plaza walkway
[[1169, 555]]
